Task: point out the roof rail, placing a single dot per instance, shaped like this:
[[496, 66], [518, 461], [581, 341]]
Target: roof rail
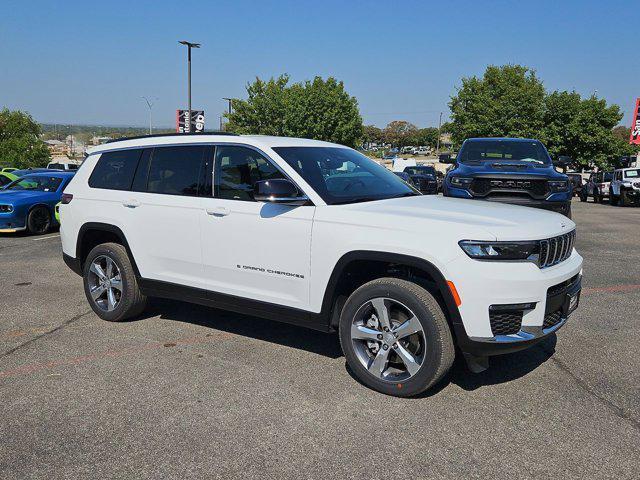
[[214, 132]]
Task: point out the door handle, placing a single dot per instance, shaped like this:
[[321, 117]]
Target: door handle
[[218, 211], [131, 203]]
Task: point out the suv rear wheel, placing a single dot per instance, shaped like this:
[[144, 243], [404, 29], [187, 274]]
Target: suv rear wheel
[[395, 337], [110, 283]]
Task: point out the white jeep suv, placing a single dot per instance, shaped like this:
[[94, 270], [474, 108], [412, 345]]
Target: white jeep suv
[[625, 187], [318, 235]]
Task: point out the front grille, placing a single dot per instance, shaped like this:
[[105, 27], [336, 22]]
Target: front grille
[[561, 287], [535, 188], [552, 319], [556, 249], [505, 322], [424, 184]]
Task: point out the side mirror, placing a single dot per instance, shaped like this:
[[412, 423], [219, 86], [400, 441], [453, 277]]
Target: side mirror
[[278, 190], [563, 161], [446, 158]]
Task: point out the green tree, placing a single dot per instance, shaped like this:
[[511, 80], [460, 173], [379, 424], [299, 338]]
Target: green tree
[[426, 136], [318, 109], [20, 145], [400, 133], [507, 101], [582, 129], [372, 134]]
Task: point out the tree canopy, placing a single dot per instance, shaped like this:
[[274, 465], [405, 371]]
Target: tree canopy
[[318, 109], [20, 145], [510, 101]]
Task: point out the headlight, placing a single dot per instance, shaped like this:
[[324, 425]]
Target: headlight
[[461, 182], [559, 185], [501, 250], [6, 208]]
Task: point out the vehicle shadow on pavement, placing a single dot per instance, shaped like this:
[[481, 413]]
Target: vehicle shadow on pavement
[[246, 326], [503, 368]]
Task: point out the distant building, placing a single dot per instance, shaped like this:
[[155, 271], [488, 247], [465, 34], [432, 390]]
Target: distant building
[[100, 140], [57, 148]]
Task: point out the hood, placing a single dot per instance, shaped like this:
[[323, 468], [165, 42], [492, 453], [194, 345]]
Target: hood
[[466, 219], [17, 195], [510, 167]]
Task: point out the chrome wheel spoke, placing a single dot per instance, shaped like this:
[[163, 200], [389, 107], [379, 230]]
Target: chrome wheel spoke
[[116, 282], [379, 363], [111, 299], [382, 312], [409, 327], [97, 292], [360, 332], [409, 360], [109, 271], [97, 270]]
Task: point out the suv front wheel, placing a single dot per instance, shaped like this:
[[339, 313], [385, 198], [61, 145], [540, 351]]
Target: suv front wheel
[[110, 283], [395, 337]]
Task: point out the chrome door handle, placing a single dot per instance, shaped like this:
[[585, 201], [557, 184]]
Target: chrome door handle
[[131, 203], [218, 211]]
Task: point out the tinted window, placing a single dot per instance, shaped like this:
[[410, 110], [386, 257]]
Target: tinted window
[[55, 166], [36, 182], [342, 175], [238, 169], [4, 180], [72, 166], [501, 150], [175, 170], [115, 170]]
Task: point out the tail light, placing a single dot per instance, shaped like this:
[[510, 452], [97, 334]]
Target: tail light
[[66, 198]]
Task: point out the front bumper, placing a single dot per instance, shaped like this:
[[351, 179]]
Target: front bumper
[[483, 284], [11, 222], [557, 202]]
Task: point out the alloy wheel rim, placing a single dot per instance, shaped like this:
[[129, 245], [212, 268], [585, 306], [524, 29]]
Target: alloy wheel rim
[[40, 220], [105, 283], [388, 339]]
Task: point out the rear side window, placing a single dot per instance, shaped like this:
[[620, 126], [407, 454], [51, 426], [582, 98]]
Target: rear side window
[[115, 170], [176, 170]]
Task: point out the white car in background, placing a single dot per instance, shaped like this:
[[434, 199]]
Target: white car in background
[[624, 189]]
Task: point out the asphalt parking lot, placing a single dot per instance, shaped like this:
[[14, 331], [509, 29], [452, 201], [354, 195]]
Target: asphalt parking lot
[[190, 392]]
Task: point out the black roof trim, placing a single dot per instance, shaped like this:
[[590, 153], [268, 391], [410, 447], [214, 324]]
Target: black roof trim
[[155, 135]]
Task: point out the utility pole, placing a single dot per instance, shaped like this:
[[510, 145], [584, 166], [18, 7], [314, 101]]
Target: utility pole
[[438, 141], [150, 105], [189, 45], [228, 100]]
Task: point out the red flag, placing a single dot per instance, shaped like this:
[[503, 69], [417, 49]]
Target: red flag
[[635, 127]]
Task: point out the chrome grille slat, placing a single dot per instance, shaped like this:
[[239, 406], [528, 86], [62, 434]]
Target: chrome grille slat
[[555, 250]]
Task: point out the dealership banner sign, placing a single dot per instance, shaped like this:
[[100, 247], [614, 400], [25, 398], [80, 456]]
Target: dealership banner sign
[[635, 128], [197, 121]]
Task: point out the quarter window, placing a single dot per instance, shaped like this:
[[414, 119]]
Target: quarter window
[[237, 169], [175, 170], [115, 170]]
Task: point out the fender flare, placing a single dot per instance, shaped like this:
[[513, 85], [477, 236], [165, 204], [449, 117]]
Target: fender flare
[[452, 313], [105, 227]]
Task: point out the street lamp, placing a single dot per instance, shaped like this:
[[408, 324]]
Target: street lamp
[[228, 100], [150, 105], [189, 45]]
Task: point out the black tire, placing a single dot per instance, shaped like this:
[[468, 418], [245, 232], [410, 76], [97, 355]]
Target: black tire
[[613, 200], [131, 301], [439, 352], [583, 196], [623, 201], [39, 220]]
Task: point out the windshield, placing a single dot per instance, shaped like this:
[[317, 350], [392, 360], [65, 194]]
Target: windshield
[[421, 171], [632, 173], [341, 175], [41, 183], [503, 151]]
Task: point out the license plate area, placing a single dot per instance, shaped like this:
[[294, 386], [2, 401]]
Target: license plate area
[[571, 302]]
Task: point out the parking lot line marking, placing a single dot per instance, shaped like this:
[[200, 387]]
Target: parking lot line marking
[[612, 288], [46, 238], [35, 367]]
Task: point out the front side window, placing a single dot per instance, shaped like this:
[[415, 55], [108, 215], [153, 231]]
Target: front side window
[[39, 183], [176, 170], [342, 175], [237, 169], [503, 151], [115, 170]]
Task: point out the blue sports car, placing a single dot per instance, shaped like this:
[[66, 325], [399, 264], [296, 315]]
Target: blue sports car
[[28, 203]]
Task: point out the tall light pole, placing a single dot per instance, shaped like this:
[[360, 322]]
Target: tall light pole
[[150, 105], [189, 45], [228, 100], [438, 141]]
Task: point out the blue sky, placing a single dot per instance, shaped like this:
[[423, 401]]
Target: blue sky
[[73, 62]]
